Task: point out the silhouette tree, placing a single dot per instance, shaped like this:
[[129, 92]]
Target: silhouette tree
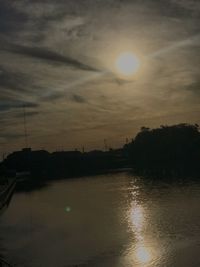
[[166, 149]]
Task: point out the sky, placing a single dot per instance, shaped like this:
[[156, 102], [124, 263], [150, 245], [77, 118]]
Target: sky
[[58, 64]]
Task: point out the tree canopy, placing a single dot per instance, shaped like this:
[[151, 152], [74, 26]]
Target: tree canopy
[[174, 147]]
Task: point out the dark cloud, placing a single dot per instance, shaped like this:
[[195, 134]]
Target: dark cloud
[[11, 20], [194, 88], [28, 114], [55, 96], [78, 98], [46, 54], [16, 104], [52, 97], [170, 8], [121, 81], [10, 79]]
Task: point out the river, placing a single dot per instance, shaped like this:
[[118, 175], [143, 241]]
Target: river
[[113, 220]]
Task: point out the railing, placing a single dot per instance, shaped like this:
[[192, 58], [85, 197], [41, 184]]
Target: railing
[[5, 197], [6, 194]]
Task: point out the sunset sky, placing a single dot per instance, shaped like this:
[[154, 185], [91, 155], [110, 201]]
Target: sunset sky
[[58, 59]]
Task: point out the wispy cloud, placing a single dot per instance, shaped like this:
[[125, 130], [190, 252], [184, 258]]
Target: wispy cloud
[[46, 54]]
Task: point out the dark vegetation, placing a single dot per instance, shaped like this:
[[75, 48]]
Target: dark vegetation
[[42, 164], [168, 150], [165, 151]]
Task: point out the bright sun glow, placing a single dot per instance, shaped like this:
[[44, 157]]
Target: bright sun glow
[[143, 255], [127, 64]]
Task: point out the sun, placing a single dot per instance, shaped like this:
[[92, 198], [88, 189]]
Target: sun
[[127, 64]]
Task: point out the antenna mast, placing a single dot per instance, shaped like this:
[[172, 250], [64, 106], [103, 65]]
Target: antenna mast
[[105, 144], [25, 127]]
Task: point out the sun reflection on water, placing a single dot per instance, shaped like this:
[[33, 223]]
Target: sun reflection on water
[[143, 255], [140, 252], [137, 218]]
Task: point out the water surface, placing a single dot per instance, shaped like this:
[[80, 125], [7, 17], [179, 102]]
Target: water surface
[[109, 220]]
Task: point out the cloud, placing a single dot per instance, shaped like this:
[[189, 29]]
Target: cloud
[[10, 79], [47, 55], [28, 114], [78, 99], [11, 20], [192, 5], [52, 96], [16, 104]]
